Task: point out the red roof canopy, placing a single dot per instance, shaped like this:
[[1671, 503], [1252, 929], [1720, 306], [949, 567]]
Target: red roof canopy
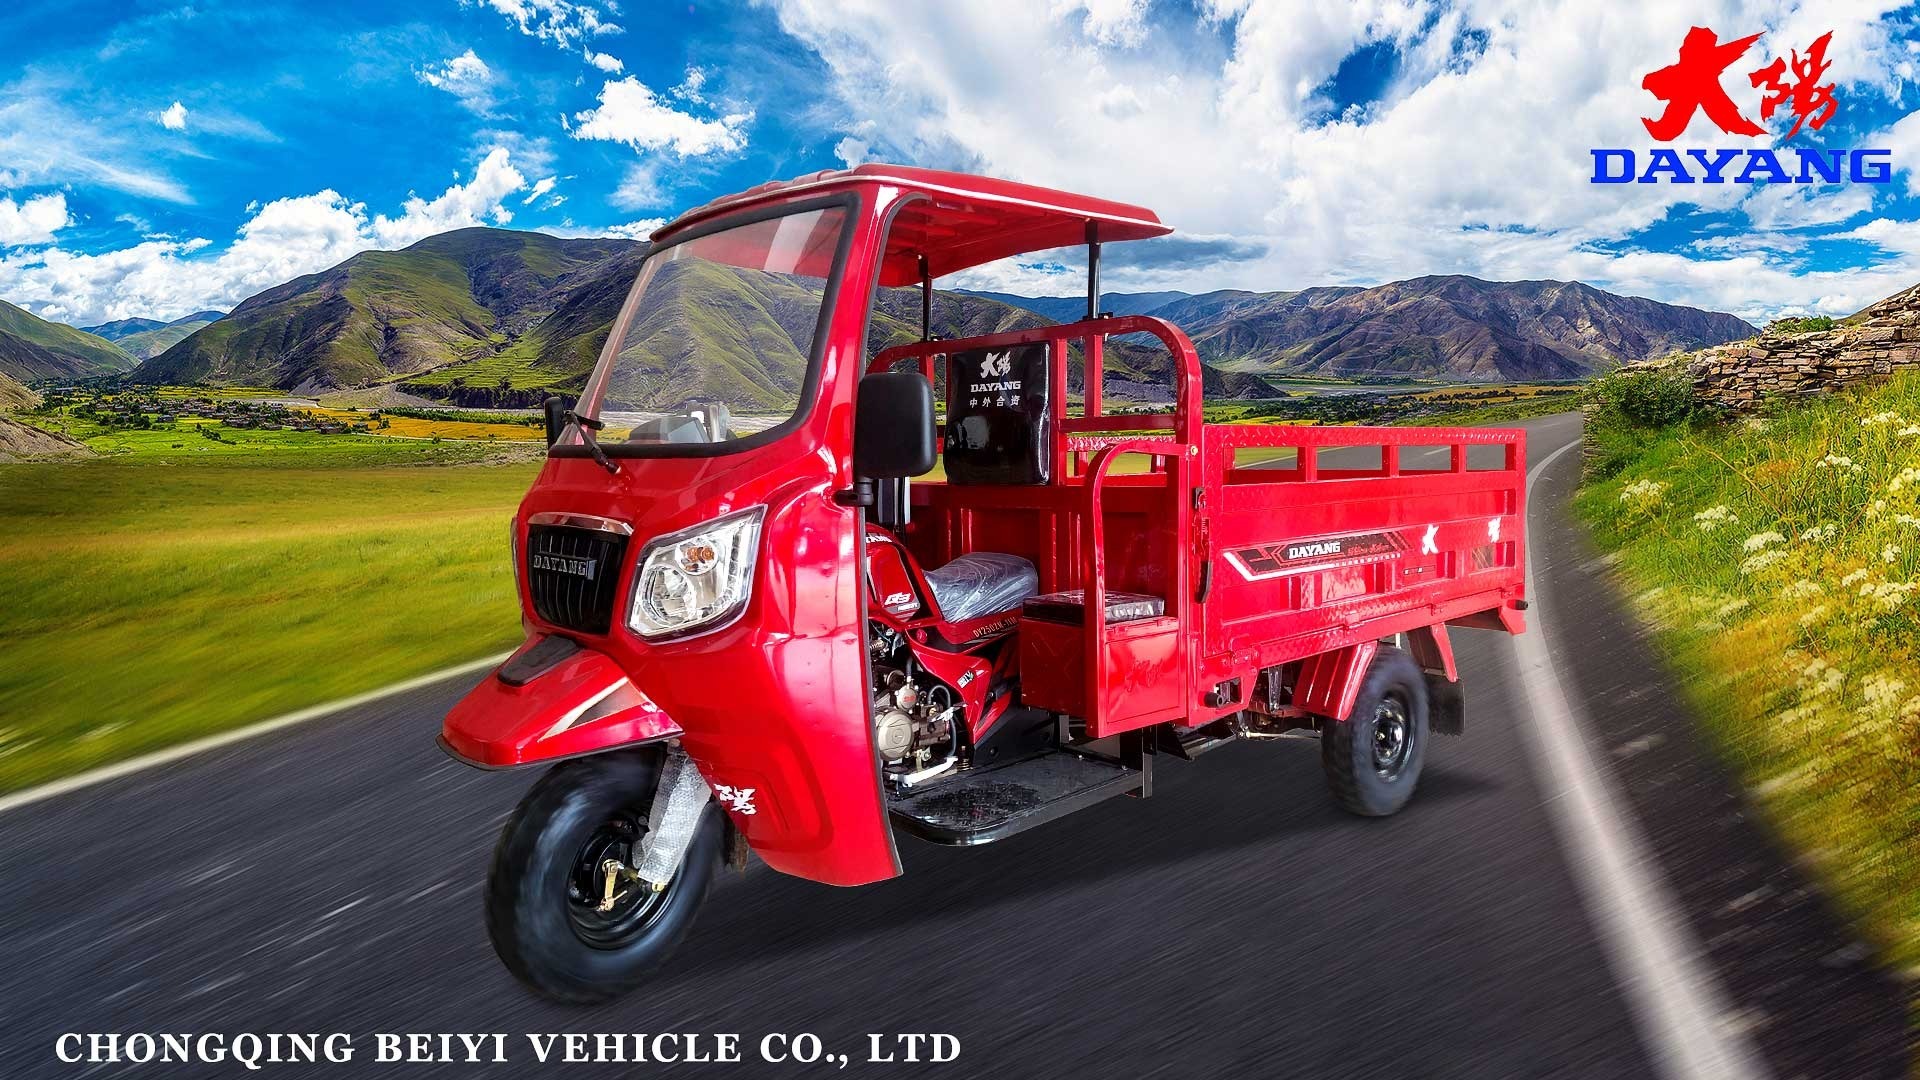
[[963, 221]]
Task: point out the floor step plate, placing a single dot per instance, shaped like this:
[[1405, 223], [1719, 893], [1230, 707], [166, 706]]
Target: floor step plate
[[980, 807]]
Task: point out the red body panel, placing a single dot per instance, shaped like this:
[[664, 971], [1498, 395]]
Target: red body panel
[[583, 705], [778, 700]]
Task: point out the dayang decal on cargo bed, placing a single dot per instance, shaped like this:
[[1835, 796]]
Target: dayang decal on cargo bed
[[1788, 87], [1261, 561]]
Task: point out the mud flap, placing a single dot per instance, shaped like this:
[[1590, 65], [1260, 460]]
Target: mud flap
[[1446, 705]]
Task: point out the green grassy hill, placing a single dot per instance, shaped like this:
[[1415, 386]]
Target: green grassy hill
[[31, 349], [148, 342], [490, 317], [750, 331], [381, 314]]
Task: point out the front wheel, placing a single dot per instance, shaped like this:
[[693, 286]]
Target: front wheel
[[547, 907], [1373, 758]]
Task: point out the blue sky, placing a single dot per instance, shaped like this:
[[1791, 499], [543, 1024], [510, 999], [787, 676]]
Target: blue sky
[[159, 158]]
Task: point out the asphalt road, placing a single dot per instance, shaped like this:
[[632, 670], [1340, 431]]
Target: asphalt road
[[326, 879]]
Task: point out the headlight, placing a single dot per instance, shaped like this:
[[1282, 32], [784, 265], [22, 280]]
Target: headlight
[[696, 578]]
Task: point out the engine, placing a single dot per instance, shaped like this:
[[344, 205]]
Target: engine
[[914, 714]]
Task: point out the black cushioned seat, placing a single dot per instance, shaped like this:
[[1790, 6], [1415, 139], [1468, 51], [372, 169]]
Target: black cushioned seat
[[1070, 606], [981, 584]]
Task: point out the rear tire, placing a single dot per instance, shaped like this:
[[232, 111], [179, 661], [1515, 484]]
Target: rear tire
[[1373, 758], [541, 893]]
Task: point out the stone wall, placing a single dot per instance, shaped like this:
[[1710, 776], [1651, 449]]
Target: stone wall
[[1742, 374]]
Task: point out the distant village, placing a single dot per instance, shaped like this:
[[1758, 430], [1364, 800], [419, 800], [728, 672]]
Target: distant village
[[138, 409]]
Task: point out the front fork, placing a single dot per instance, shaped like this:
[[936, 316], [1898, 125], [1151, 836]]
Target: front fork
[[678, 800]]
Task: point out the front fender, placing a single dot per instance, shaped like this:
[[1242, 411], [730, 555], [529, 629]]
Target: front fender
[[552, 699]]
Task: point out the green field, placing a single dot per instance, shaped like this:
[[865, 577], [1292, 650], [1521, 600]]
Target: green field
[[161, 594], [1778, 559], [179, 585], [517, 372]]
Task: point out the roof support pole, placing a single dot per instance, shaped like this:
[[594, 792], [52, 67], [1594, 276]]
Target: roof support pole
[[926, 301], [1093, 270]]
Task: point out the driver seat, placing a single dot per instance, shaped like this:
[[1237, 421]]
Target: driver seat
[[981, 584]]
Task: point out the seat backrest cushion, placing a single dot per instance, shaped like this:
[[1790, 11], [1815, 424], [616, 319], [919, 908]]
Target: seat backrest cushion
[[999, 416]]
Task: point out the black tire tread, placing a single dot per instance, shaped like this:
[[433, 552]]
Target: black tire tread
[[1339, 757], [515, 903]]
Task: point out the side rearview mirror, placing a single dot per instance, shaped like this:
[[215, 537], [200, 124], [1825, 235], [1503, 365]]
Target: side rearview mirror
[[893, 426], [556, 413]]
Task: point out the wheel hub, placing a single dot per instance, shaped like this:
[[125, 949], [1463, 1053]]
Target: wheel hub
[[1392, 738], [606, 904]]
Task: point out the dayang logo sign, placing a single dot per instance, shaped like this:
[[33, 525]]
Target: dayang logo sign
[[1787, 86]]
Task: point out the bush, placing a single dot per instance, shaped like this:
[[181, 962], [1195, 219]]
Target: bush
[[1805, 325], [1644, 397]]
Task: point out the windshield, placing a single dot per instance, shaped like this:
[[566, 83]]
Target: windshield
[[718, 337]]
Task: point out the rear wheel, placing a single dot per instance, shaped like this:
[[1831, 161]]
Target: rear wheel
[[547, 909], [1373, 758]]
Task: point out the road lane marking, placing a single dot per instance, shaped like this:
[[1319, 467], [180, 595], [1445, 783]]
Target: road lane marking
[[171, 754], [1658, 965]]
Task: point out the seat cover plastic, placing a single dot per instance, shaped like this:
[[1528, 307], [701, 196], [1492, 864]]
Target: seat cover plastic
[[982, 583]]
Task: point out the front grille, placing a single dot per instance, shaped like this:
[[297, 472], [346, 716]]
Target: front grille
[[572, 574]]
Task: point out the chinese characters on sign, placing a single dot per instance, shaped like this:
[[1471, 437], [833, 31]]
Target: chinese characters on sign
[[1693, 83], [1790, 85]]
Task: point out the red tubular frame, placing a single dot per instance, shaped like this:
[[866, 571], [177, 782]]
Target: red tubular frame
[[1197, 462]]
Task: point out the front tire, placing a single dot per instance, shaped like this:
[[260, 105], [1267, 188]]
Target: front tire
[[1373, 758], [543, 891]]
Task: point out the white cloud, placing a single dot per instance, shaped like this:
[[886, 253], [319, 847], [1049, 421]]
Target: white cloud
[[174, 118], [1903, 138], [632, 230], [609, 64], [45, 140], [540, 187], [466, 77], [284, 239], [1473, 159], [852, 152], [631, 113], [1109, 22], [33, 220], [640, 187], [636, 230], [477, 202], [690, 88], [560, 22]]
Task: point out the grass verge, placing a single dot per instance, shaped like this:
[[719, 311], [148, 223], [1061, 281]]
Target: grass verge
[[1776, 558], [152, 598]]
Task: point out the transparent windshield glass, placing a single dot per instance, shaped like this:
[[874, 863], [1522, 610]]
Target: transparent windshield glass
[[716, 339]]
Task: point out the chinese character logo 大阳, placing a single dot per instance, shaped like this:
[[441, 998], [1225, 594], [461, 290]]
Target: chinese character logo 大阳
[[1794, 86]]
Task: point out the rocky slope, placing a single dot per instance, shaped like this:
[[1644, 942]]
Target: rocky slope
[[15, 396], [24, 442], [1782, 363]]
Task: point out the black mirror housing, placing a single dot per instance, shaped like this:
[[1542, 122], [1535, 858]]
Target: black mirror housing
[[893, 426], [556, 414]]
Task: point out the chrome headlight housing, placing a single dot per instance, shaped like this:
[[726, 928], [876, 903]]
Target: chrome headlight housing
[[697, 579]]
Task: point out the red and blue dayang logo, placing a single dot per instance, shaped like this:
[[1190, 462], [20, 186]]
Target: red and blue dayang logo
[[1787, 87]]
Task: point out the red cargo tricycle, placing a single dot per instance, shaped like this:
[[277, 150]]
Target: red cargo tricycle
[[750, 627]]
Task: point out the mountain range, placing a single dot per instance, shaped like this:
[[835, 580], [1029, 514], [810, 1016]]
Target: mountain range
[[35, 350], [496, 317], [1447, 326], [382, 314], [144, 339]]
